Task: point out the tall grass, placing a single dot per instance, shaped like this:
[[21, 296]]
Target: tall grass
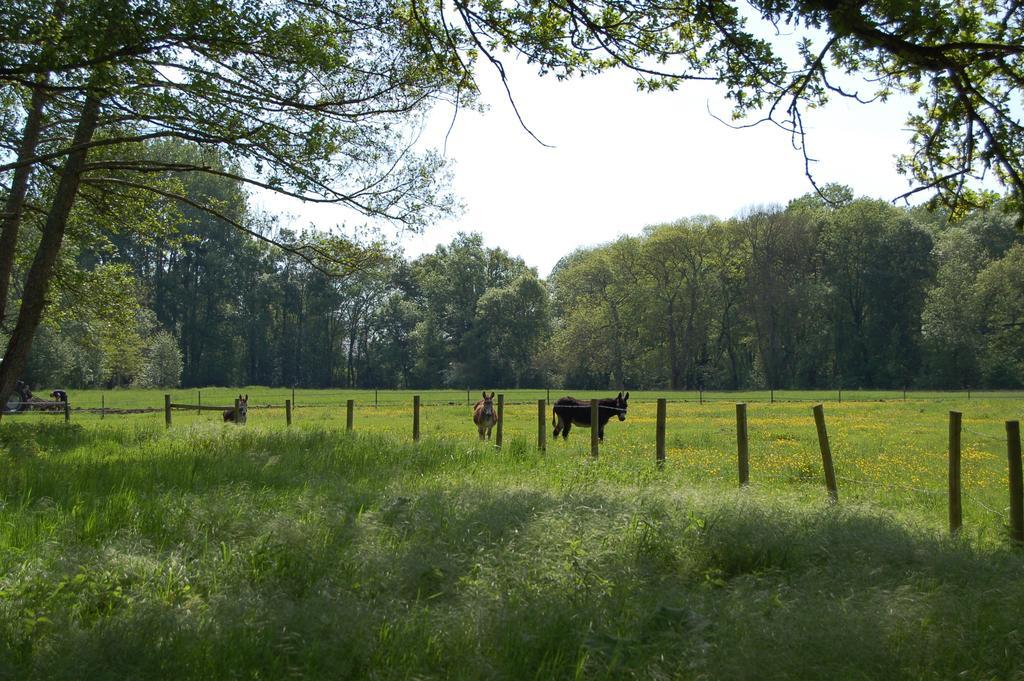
[[212, 551]]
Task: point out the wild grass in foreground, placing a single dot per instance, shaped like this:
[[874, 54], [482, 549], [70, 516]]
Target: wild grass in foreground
[[212, 551]]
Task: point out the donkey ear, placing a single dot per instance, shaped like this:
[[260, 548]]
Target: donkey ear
[[484, 393], [620, 395], [247, 397], [627, 396], [492, 394]]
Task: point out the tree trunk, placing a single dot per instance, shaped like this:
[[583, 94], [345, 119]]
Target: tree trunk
[[675, 375], [14, 207], [618, 369], [351, 364], [37, 283]]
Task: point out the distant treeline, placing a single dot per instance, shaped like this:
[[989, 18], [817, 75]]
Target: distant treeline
[[846, 292]]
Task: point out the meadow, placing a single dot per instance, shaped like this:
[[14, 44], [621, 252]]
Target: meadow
[[209, 551]]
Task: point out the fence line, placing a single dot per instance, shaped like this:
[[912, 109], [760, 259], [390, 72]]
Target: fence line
[[397, 396], [979, 502], [1015, 477], [983, 436], [891, 486]]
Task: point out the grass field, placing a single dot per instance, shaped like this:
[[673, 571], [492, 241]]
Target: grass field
[[212, 551], [259, 395]]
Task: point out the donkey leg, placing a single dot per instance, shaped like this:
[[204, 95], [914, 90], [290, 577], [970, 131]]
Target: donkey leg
[[565, 432], [558, 427]]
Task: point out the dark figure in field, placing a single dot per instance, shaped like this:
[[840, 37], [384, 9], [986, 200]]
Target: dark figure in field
[[568, 411], [21, 387], [19, 399], [59, 395], [243, 409], [484, 415]]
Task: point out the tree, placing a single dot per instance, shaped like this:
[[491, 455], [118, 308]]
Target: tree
[[782, 290], [313, 99], [513, 320], [393, 343], [876, 263], [596, 335], [448, 284], [162, 367], [733, 358], [1000, 298], [950, 320], [676, 263], [961, 59]]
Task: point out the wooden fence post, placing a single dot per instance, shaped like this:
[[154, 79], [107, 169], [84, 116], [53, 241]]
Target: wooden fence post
[[288, 411], [415, 418], [593, 428], [199, 396], [67, 411], [956, 516], [375, 405], [103, 406], [826, 453], [1016, 481], [294, 403], [742, 446], [542, 431], [167, 411], [659, 433], [237, 402], [501, 420], [773, 395], [350, 408]]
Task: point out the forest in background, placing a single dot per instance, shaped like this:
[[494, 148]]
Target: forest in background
[[847, 291]]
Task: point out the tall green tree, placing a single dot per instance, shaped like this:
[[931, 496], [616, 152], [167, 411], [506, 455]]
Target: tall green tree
[[876, 261], [676, 262], [782, 295], [449, 284], [951, 320], [596, 338], [513, 321], [1000, 300], [314, 97]]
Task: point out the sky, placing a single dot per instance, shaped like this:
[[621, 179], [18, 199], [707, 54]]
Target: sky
[[620, 160]]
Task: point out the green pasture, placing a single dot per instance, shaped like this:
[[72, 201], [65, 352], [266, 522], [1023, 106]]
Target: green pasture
[[209, 550], [275, 397], [889, 451]]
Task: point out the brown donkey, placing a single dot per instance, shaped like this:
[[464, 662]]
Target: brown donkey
[[243, 409], [484, 415]]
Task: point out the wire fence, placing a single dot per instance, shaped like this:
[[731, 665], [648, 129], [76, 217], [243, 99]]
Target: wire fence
[[985, 507], [891, 486], [116, 400], [972, 435], [984, 436]]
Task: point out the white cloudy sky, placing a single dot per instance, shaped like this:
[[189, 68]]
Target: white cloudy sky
[[622, 160]]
